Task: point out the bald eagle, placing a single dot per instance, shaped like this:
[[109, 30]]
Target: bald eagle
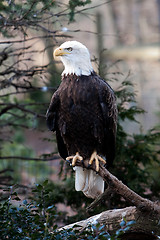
[[83, 113]]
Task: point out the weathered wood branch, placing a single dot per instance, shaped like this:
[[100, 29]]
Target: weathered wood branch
[[145, 226]]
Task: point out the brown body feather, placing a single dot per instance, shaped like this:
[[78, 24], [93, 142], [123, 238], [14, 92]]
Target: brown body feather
[[83, 113]]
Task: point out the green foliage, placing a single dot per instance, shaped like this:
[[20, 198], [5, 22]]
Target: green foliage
[[29, 10], [30, 220], [36, 218], [30, 13], [76, 3], [136, 154]]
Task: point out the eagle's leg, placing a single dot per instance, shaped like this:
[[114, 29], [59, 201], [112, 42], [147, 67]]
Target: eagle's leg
[[97, 159], [75, 158]]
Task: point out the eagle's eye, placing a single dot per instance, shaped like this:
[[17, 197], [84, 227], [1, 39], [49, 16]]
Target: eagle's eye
[[69, 49]]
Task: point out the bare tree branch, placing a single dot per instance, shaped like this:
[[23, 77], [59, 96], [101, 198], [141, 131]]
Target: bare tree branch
[[17, 106], [55, 157]]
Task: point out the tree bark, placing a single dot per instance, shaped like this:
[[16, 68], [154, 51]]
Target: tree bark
[[145, 226]]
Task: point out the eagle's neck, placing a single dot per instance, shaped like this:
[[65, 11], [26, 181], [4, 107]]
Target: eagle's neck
[[74, 78], [78, 67]]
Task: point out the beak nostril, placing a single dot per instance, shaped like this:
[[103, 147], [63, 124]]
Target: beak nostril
[[58, 52]]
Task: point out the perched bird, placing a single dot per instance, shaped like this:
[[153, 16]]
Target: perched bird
[[83, 113]]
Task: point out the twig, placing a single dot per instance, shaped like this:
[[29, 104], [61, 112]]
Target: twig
[[17, 106], [6, 170], [55, 157]]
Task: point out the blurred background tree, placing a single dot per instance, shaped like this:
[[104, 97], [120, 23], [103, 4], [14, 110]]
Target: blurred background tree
[[29, 76]]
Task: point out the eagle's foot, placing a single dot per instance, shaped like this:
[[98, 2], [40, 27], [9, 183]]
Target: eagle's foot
[[97, 159], [74, 159]]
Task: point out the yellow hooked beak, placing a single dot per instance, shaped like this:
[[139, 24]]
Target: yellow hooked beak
[[60, 52]]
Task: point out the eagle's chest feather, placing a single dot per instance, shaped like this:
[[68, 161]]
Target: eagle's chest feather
[[79, 106], [78, 97]]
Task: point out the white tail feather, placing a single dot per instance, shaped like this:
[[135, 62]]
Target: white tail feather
[[87, 181]]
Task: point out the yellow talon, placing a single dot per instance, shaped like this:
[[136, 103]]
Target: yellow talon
[[97, 159], [75, 158]]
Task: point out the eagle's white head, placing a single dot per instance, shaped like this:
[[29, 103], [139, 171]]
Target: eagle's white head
[[75, 57]]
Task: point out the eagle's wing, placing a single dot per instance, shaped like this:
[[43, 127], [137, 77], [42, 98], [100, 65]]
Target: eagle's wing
[[109, 113], [51, 115], [52, 118]]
